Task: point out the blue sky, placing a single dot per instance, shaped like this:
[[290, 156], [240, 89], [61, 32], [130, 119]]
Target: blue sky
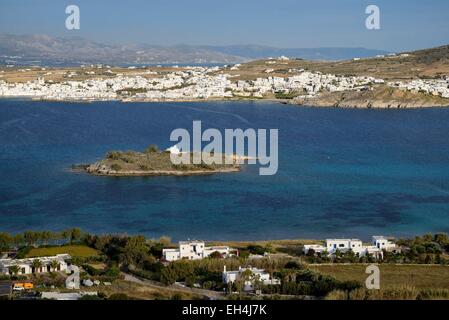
[[405, 24]]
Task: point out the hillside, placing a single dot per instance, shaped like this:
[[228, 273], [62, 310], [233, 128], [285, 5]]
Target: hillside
[[72, 51], [414, 79], [429, 63], [378, 97]]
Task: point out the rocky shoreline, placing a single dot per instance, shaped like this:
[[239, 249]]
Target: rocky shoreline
[[346, 99], [377, 98], [98, 170]]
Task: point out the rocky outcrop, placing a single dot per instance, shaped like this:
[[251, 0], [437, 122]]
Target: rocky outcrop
[[376, 97]]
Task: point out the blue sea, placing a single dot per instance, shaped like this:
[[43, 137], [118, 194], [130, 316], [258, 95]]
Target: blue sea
[[342, 172]]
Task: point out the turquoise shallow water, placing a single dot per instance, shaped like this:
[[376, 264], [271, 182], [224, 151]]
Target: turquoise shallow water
[[342, 173]]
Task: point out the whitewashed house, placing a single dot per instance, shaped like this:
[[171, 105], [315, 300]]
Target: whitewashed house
[[383, 243], [343, 245], [379, 243], [254, 275], [317, 248], [173, 150], [171, 254], [26, 265], [192, 250]]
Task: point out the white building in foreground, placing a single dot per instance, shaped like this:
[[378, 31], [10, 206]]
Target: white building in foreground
[[379, 243], [356, 245], [384, 243], [250, 276], [192, 250], [28, 266]]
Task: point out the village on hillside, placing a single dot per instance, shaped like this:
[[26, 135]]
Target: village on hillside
[[198, 83]]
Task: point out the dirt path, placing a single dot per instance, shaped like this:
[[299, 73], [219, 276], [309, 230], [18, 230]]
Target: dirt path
[[212, 295]]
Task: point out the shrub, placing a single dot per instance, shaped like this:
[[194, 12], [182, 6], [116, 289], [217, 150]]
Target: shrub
[[293, 265], [90, 297], [176, 296], [112, 271], [118, 296], [22, 253], [254, 249], [91, 270], [337, 295], [116, 167], [152, 149], [113, 155], [287, 96]]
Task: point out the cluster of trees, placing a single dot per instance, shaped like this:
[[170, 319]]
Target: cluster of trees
[[338, 257], [428, 249], [256, 249], [308, 283], [152, 149], [295, 279], [38, 238], [286, 96], [191, 274], [393, 293], [128, 251]]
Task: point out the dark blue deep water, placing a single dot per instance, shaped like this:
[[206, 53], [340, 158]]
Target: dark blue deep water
[[351, 173]]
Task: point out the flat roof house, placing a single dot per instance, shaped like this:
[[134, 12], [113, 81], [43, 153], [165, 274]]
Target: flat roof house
[[260, 274], [332, 245], [317, 248], [192, 250], [28, 266], [384, 243], [379, 243]]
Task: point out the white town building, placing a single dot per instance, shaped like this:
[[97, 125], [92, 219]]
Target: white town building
[[192, 250], [25, 266], [254, 275]]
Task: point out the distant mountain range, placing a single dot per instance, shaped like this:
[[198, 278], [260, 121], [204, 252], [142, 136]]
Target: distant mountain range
[[46, 50]]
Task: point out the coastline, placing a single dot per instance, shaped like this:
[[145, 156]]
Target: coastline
[[318, 102], [162, 173]]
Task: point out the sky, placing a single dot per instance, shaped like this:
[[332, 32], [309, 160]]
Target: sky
[[404, 24]]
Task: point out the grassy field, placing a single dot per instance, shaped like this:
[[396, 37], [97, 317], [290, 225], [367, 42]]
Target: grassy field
[[55, 74], [145, 292], [275, 244], [418, 276], [74, 250]]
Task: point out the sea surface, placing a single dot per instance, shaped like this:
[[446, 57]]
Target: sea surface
[[342, 172]]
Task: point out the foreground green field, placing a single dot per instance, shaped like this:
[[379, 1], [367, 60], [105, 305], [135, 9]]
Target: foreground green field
[[417, 276], [80, 251]]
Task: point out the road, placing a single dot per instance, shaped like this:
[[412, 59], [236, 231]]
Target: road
[[212, 295]]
